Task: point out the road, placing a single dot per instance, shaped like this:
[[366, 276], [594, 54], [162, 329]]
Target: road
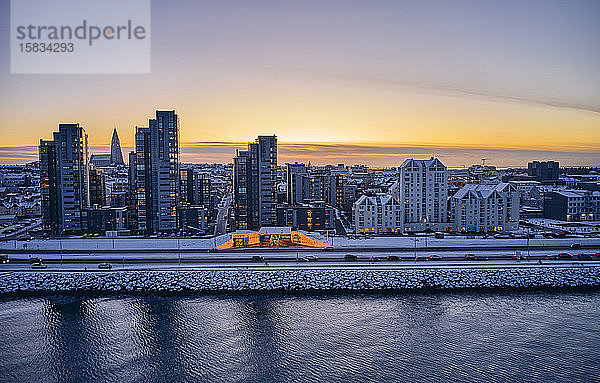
[[221, 225], [170, 260]]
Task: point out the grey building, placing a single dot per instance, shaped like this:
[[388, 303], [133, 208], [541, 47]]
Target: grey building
[[572, 205], [157, 173], [64, 179], [544, 171], [298, 184], [308, 218], [485, 208], [423, 193], [103, 219], [254, 184]]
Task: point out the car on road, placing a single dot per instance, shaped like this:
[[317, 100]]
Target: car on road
[[375, 259], [421, 258], [350, 257], [473, 257], [3, 258], [328, 248], [435, 257], [393, 257], [565, 256], [575, 246], [105, 266], [584, 257], [35, 260], [555, 256], [38, 265], [310, 258], [258, 258]]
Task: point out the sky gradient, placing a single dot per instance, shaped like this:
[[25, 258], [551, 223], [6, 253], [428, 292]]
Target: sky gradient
[[368, 82]]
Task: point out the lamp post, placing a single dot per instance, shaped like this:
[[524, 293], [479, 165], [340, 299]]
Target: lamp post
[[416, 248]]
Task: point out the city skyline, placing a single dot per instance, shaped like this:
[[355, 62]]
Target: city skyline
[[348, 153], [377, 81]]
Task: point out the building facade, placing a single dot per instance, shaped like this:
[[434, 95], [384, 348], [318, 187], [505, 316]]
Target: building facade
[[254, 184], [485, 208], [378, 214], [572, 205], [157, 173], [544, 171], [64, 175], [307, 218], [423, 191]]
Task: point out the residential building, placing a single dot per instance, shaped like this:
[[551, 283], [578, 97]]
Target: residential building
[[572, 205], [64, 180], [254, 184], [298, 184], [485, 208], [157, 173], [103, 219], [97, 187], [544, 171], [424, 194], [308, 218], [380, 213]]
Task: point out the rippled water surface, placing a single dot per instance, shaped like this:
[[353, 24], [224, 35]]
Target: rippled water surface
[[471, 337]]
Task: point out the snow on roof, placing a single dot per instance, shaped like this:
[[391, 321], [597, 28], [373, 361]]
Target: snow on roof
[[275, 230], [482, 191]]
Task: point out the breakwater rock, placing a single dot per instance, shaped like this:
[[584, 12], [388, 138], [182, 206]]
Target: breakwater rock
[[298, 279]]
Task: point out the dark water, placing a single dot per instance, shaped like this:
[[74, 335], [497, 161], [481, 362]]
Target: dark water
[[470, 337]]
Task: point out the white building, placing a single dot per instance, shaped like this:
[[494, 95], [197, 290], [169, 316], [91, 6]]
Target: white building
[[377, 214], [485, 208], [424, 194]]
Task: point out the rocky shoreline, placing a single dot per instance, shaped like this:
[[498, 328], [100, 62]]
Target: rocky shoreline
[[15, 283]]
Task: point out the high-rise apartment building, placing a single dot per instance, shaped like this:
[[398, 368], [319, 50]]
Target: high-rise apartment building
[[157, 173], [64, 180], [544, 171], [424, 194], [254, 184], [298, 184]]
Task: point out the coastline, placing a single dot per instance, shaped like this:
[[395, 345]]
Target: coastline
[[16, 283]]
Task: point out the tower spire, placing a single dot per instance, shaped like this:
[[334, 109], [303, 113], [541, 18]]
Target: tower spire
[[116, 155]]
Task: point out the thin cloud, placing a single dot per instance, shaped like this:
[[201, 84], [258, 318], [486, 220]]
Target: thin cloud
[[452, 90]]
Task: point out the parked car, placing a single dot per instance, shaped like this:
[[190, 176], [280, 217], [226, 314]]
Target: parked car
[[310, 258], [38, 265], [258, 258], [350, 257], [105, 266]]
